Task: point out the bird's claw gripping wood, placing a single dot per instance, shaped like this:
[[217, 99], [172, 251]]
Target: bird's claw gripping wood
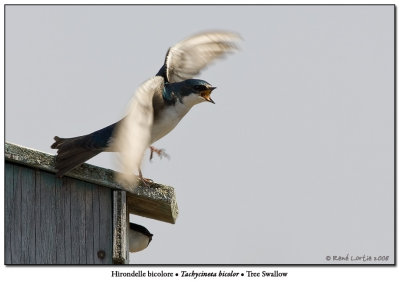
[[160, 152], [146, 181]]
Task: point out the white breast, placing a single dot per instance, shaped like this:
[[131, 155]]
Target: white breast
[[137, 241], [170, 116]]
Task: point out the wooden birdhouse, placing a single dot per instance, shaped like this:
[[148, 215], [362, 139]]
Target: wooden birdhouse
[[81, 218]]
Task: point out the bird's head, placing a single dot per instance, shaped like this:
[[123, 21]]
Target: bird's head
[[139, 237], [197, 91]]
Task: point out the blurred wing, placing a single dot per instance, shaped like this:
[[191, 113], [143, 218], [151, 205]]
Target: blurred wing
[[187, 58], [133, 134]]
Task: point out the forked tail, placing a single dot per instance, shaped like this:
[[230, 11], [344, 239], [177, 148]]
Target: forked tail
[[72, 152]]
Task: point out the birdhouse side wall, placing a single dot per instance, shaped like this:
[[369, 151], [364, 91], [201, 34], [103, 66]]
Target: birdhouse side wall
[[49, 220]]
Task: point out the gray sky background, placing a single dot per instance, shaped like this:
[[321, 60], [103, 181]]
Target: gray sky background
[[295, 161]]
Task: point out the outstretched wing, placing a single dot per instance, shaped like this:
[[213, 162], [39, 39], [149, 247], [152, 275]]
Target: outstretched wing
[[187, 58], [133, 133]]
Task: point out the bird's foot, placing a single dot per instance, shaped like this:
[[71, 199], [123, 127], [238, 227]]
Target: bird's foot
[[160, 152], [146, 181]]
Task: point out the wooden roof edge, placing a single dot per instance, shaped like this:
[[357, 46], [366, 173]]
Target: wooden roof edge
[[156, 195]]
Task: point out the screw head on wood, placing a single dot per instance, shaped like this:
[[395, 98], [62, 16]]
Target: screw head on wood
[[101, 254]]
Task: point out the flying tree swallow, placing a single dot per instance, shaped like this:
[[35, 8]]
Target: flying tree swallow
[[156, 108]]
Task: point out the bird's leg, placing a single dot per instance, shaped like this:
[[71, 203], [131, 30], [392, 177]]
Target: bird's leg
[[160, 152], [146, 181]]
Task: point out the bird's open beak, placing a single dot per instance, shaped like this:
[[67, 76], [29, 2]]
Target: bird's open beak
[[206, 94]]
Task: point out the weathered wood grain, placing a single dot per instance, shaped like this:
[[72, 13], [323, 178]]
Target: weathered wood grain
[[16, 225], [120, 225], [60, 194], [47, 229], [28, 209], [66, 187], [50, 220], [38, 237], [96, 224], [8, 217], [89, 222], [157, 202], [105, 219], [77, 224], [43, 161], [70, 221]]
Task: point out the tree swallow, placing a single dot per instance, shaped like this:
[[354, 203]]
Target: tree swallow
[[139, 237], [156, 108]]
